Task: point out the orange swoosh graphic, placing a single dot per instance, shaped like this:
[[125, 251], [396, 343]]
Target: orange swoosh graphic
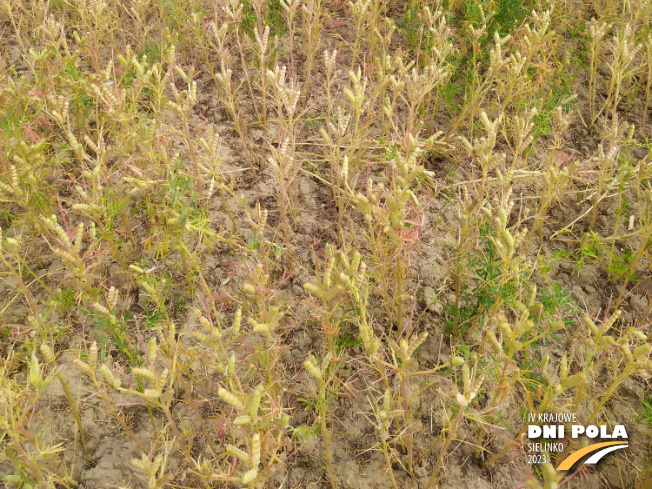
[[570, 460]]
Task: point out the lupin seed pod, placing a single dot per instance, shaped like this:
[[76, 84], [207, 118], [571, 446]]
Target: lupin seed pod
[[230, 399], [544, 362], [373, 348], [402, 346], [201, 337], [242, 420], [237, 320], [250, 476], [627, 354], [232, 361], [112, 298], [205, 324], [33, 322], [563, 367], [355, 263], [344, 168], [609, 322], [82, 365], [145, 373], [494, 342], [47, 353], [640, 335], [255, 403], [100, 308], [313, 289], [506, 329], [92, 356], [550, 475], [641, 351], [152, 348], [574, 380], [152, 393], [262, 328], [461, 400], [7, 188], [35, 377], [387, 399], [312, 369], [108, 375], [255, 450], [416, 344], [238, 453], [466, 379]]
